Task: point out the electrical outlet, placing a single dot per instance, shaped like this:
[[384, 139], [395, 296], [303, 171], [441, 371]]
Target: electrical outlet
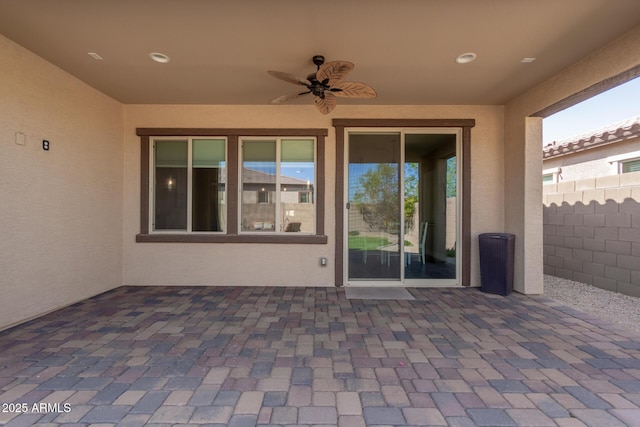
[[323, 261], [45, 145]]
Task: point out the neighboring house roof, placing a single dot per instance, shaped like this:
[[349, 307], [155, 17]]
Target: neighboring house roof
[[613, 133], [252, 176]]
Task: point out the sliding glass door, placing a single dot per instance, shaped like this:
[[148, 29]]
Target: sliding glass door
[[402, 215], [374, 220]]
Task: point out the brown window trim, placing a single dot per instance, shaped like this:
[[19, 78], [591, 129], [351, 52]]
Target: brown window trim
[[464, 124], [231, 236]]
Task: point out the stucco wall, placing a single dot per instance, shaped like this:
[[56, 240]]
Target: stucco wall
[[60, 210], [69, 222], [592, 231], [268, 264], [523, 143]]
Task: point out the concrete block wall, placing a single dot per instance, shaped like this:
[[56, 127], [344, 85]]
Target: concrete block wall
[[592, 231]]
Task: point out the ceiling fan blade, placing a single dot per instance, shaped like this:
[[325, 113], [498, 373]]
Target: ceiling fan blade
[[334, 71], [353, 90], [289, 78], [326, 104], [289, 97]]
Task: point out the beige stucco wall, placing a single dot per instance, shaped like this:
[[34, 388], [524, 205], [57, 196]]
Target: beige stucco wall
[[68, 223], [266, 264], [60, 210], [523, 143]]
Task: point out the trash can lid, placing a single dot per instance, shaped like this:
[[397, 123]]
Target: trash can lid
[[504, 236]]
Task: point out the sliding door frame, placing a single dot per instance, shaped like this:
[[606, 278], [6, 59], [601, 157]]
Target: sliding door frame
[[464, 162]]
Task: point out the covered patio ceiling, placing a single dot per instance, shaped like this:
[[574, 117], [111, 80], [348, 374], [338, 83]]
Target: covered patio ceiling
[[220, 50]]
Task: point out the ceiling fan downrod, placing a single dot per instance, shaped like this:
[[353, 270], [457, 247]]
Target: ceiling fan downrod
[[317, 87], [318, 60]]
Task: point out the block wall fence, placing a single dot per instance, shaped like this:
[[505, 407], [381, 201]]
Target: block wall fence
[[592, 231]]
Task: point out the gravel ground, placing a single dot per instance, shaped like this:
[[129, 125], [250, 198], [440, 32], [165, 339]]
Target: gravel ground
[[622, 310]]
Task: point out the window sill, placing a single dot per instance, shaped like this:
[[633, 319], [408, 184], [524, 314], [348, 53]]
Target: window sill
[[306, 239]]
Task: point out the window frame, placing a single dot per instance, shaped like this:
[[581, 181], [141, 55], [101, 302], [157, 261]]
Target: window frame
[[189, 204], [465, 169], [276, 198], [617, 162], [232, 234], [309, 198], [554, 173], [259, 197]]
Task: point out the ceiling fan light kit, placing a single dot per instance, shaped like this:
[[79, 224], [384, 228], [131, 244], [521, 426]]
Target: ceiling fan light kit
[[325, 84]]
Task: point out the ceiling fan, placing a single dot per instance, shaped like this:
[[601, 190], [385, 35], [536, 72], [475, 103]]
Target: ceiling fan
[[325, 84]]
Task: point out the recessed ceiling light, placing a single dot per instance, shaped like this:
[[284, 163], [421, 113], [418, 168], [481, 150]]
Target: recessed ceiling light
[[465, 58], [159, 57], [95, 56], [528, 60]]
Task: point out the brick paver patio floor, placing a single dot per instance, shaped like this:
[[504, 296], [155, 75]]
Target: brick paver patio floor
[[308, 356]]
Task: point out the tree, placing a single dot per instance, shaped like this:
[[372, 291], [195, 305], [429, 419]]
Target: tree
[[378, 195], [411, 195], [451, 177]]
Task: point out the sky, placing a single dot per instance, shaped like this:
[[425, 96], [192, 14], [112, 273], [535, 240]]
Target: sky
[[615, 105]]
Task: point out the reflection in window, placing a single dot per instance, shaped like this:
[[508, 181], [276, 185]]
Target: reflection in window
[[176, 181], [304, 197], [170, 185], [258, 182], [278, 177], [208, 213], [263, 196]]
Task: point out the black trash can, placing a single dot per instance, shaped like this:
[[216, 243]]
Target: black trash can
[[496, 262]]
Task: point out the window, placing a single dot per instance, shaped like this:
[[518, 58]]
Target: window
[[275, 174], [631, 166], [189, 185], [192, 185], [551, 176], [625, 163], [304, 197], [263, 196]]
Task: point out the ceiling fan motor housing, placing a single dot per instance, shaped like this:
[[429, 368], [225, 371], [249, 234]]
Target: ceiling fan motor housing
[[316, 87]]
